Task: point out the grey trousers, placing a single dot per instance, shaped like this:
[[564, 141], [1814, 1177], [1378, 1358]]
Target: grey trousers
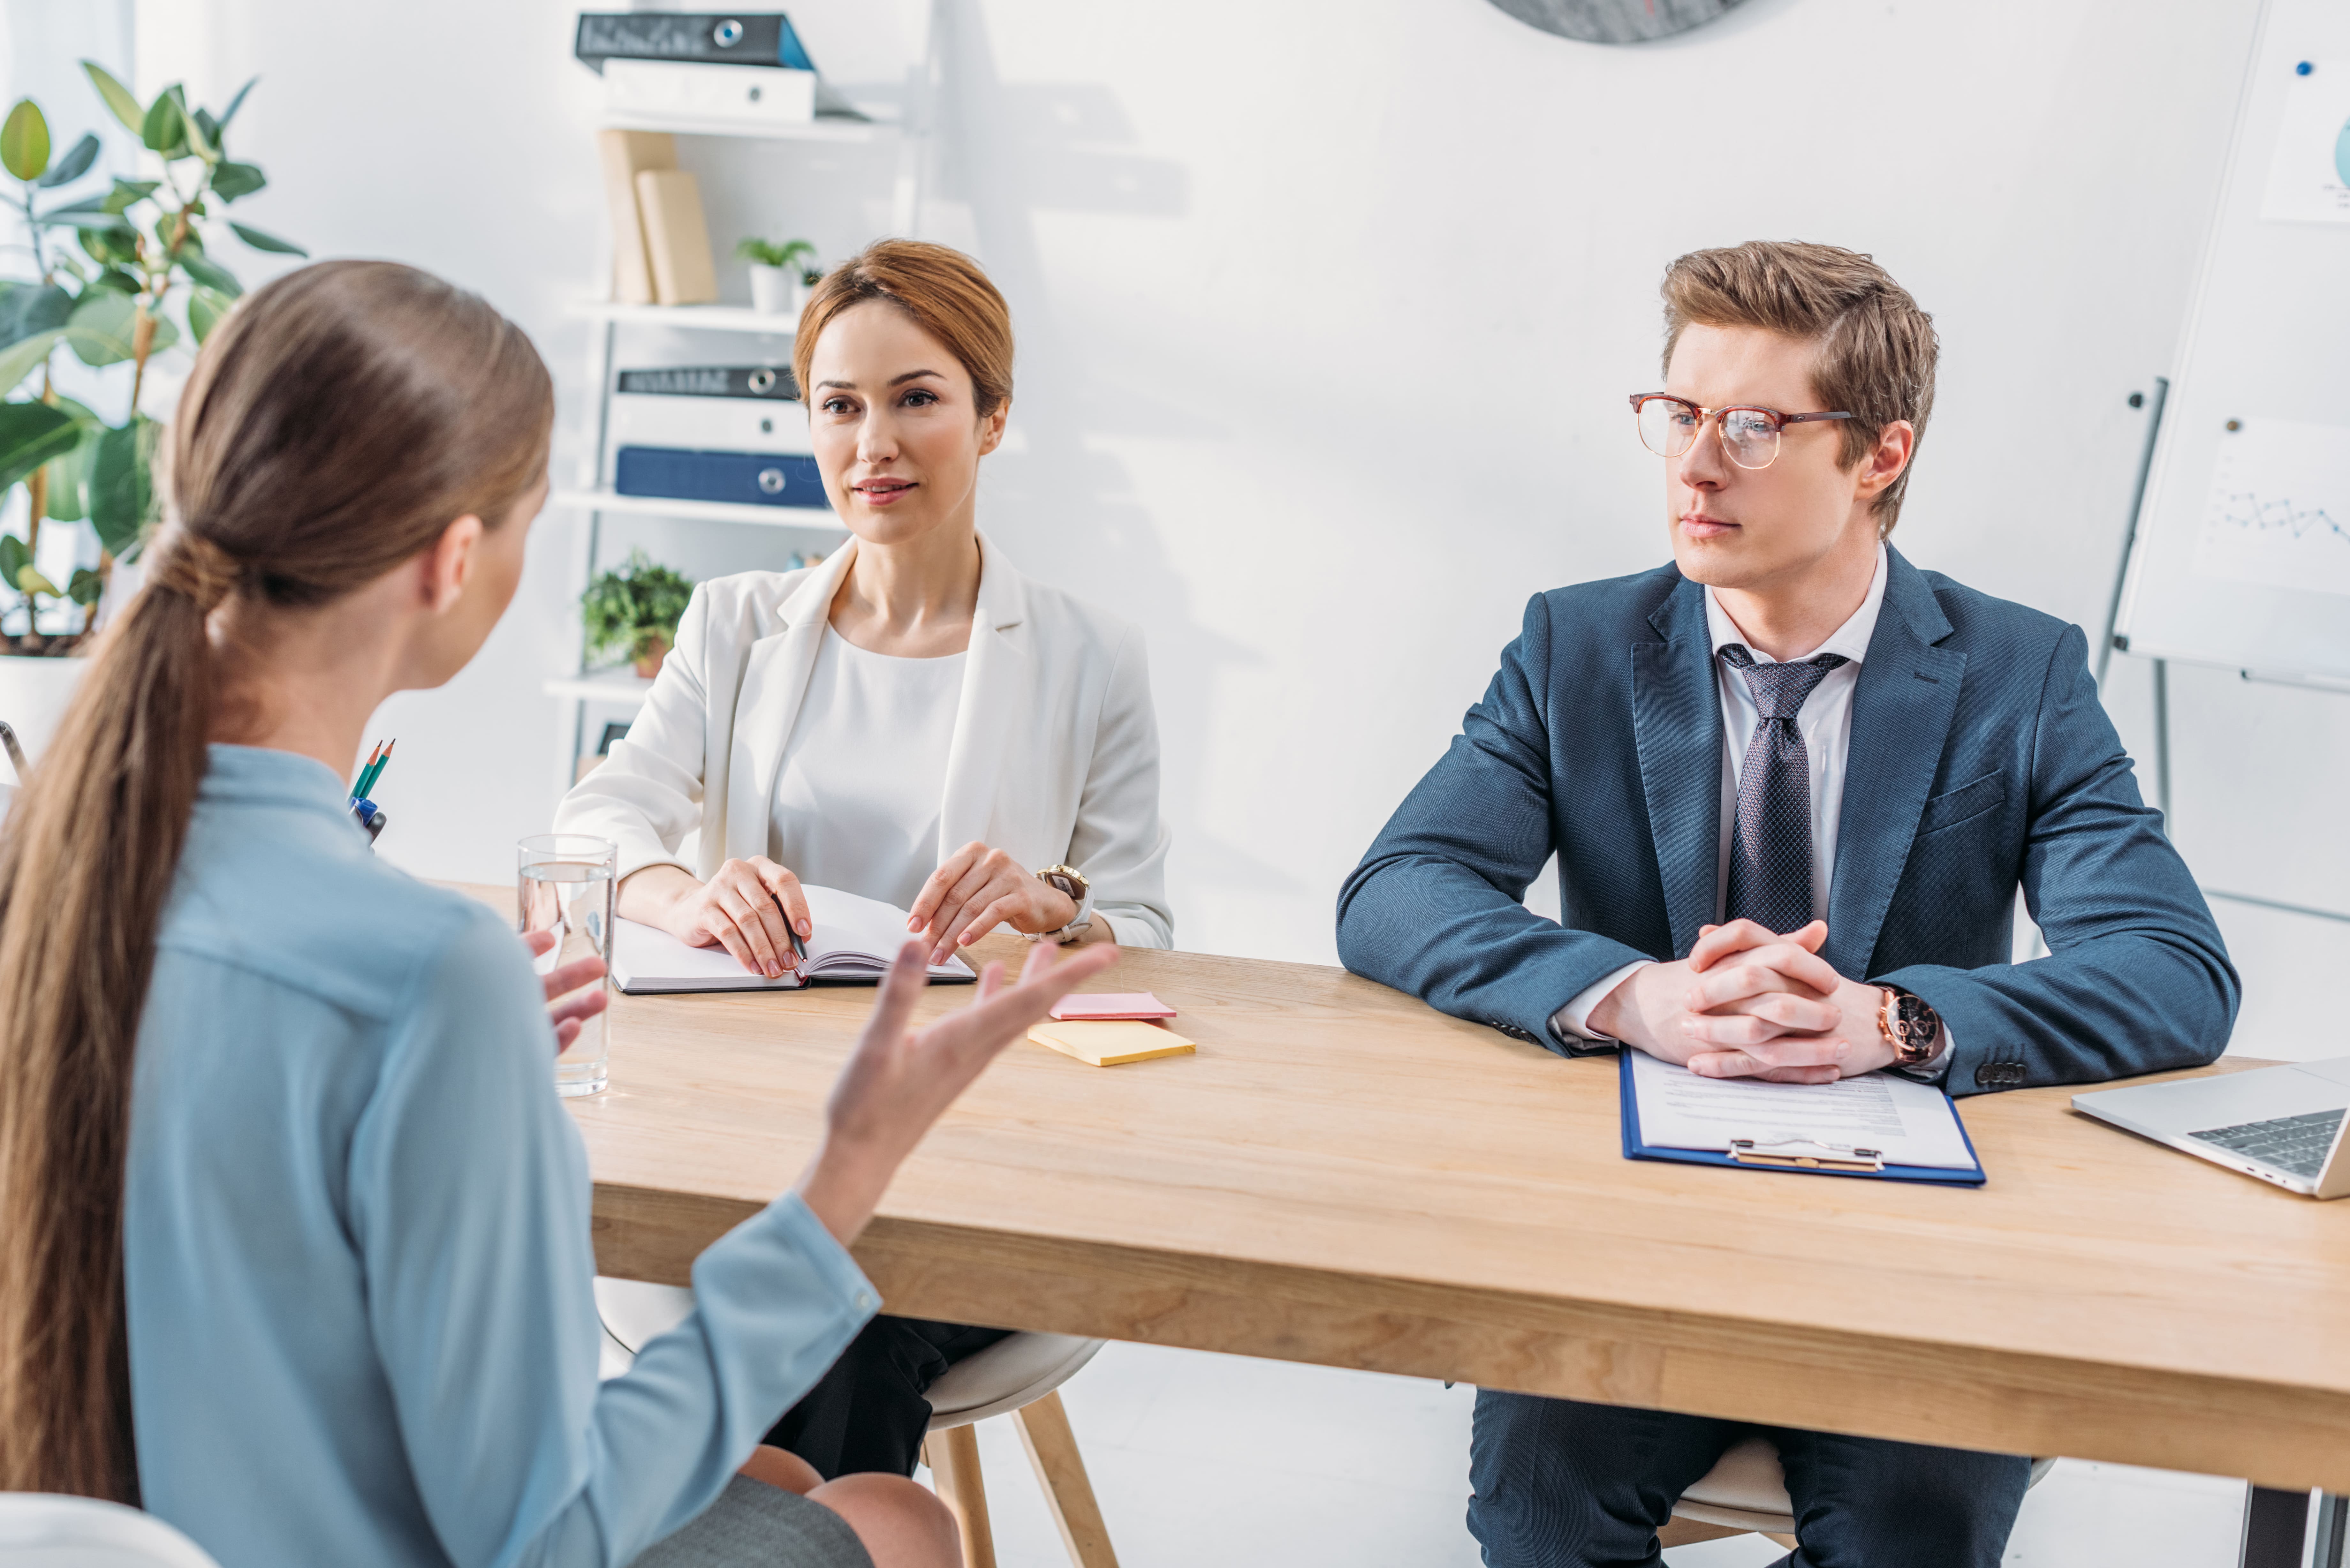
[[754, 1525]]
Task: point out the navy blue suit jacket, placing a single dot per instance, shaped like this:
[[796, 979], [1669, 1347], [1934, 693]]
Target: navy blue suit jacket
[[1980, 758]]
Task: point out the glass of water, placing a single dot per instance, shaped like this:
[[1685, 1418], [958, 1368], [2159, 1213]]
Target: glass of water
[[564, 884]]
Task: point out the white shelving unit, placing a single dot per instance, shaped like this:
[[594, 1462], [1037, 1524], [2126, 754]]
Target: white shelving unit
[[688, 317], [622, 685], [822, 129], [607, 502], [618, 691]]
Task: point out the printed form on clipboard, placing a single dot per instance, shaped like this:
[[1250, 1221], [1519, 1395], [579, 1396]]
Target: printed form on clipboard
[[1877, 1125]]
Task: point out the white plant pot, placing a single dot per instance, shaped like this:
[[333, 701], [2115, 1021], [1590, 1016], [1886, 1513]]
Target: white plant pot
[[774, 290], [802, 292], [32, 696]]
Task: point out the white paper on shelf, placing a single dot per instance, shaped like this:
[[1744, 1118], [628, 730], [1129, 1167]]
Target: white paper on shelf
[[1908, 1122]]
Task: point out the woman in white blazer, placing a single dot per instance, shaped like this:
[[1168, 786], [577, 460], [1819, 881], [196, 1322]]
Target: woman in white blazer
[[911, 720], [1054, 757]]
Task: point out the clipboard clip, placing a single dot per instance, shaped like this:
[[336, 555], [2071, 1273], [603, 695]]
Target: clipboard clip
[[1744, 1151]]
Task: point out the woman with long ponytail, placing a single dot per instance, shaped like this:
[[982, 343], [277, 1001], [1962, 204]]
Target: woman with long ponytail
[[294, 1241], [96, 841]]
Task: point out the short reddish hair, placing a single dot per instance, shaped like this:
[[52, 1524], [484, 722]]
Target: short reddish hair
[[1877, 348], [943, 291]]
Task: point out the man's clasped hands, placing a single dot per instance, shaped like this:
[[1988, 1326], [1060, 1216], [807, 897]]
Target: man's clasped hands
[[1749, 1002]]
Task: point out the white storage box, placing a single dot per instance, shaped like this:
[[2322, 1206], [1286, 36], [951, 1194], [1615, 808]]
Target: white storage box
[[676, 90], [708, 424]]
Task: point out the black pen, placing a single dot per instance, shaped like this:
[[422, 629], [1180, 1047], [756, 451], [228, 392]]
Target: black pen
[[793, 931]]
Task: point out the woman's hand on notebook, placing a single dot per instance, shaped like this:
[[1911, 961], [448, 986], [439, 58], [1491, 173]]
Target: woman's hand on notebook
[[979, 889], [573, 997], [742, 909], [899, 1080]]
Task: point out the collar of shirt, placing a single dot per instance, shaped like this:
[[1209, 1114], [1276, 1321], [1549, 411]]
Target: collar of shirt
[[267, 776], [1850, 640]]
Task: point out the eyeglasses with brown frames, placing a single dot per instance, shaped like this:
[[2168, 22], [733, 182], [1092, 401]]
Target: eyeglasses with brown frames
[[1670, 426]]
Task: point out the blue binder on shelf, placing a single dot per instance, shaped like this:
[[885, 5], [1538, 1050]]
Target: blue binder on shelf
[[744, 478], [1803, 1157]]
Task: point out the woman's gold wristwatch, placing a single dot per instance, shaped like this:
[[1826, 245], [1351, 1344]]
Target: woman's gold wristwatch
[[1071, 882]]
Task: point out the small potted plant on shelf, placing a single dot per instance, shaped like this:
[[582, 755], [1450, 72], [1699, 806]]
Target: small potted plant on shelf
[[631, 612], [781, 275]]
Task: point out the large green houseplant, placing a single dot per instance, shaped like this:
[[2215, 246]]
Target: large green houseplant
[[138, 278]]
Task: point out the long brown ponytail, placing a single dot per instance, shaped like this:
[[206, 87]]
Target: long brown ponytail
[[335, 424]]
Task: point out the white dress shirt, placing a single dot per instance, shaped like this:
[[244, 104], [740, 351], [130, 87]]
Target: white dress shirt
[[1824, 723]]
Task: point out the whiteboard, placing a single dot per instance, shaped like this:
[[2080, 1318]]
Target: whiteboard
[[2241, 555]]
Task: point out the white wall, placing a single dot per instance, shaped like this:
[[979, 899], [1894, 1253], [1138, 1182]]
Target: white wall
[[1327, 311]]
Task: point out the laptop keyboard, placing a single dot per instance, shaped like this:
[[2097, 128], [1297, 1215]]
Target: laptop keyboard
[[2294, 1144]]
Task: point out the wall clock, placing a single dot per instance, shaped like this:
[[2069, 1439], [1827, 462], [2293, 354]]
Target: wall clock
[[1615, 21]]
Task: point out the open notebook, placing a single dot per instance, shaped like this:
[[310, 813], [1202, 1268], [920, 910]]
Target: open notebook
[[853, 941]]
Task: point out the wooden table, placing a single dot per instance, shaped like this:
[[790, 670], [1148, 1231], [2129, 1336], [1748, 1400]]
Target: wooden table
[[1343, 1175]]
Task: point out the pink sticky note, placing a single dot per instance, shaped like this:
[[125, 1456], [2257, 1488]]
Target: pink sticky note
[[1112, 1004]]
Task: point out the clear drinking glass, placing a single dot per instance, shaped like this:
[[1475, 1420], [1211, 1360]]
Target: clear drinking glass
[[564, 883]]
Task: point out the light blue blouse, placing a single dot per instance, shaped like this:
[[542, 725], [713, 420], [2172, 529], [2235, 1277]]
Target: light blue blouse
[[356, 1232]]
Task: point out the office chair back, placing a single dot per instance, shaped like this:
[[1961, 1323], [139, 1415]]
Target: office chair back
[[38, 1530]]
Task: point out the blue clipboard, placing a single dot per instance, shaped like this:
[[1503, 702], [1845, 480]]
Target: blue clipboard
[[1635, 1149]]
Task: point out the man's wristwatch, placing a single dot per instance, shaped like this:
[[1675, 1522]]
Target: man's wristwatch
[[1913, 1029], [1070, 881]]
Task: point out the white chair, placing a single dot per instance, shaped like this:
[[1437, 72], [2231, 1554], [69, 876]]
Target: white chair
[[1018, 1377], [41, 1530], [1745, 1492]]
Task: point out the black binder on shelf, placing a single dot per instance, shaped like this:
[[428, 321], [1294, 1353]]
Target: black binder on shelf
[[706, 39], [715, 38], [771, 381]]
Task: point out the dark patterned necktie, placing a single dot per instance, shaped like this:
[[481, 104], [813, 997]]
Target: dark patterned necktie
[[1771, 846]]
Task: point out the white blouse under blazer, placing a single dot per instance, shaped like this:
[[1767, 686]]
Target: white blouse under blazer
[[1055, 757]]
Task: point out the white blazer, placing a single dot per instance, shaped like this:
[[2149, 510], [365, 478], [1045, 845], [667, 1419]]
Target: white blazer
[[1055, 757]]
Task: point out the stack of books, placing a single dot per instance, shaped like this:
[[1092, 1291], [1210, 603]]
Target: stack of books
[[697, 72], [746, 69]]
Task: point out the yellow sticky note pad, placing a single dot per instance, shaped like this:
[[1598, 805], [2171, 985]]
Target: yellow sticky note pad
[[1111, 1043]]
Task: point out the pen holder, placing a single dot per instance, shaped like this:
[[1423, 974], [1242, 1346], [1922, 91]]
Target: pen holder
[[370, 816]]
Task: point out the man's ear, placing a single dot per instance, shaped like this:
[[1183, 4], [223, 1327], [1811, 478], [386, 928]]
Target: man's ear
[[1888, 459], [448, 562]]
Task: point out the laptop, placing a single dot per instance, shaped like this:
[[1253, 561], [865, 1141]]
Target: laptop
[[2280, 1124]]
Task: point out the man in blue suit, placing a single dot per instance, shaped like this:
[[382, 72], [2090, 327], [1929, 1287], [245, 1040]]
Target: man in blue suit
[[1793, 783]]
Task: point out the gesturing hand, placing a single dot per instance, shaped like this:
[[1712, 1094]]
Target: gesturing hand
[[570, 1000], [743, 909], [901, 1080], [979, 889]]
